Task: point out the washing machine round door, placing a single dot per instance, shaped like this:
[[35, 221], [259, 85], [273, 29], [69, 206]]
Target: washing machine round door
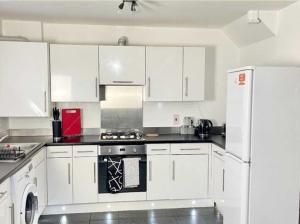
[[29, 204]]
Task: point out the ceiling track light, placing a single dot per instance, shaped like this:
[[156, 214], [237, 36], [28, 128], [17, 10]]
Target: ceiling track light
[[133, 5]]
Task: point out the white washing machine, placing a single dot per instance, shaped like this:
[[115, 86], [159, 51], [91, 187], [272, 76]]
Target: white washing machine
[[24, 196]]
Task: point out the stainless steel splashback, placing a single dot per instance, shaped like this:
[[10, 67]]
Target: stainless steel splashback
[[122, 107]]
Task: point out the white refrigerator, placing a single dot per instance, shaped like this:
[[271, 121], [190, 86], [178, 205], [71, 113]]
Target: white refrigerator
[[262, 162]]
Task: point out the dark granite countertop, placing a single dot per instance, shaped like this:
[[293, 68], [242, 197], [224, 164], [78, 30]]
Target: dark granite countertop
[[8, 169]]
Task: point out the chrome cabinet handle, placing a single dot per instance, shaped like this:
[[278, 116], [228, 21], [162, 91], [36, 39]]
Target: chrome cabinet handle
[[96, 85], [190, 149], [173, 177], [122, 81], [186, 86], [84, 151], [2, 194], [218, 153], [150, 170], [223, 188], [94, 172], [12, 213], [45, 101], [69, 173], [149, 87], [159, 149], [59, 152]]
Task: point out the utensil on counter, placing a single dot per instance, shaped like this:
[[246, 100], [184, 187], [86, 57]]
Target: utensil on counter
[[56, 125]]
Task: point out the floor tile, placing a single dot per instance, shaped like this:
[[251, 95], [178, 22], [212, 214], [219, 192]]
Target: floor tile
[[160, 220], [104, 216], [195, 219], [107, 221], [49, 219], [134, 214]]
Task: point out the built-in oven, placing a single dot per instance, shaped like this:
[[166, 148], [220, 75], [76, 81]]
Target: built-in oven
[[111, 152]]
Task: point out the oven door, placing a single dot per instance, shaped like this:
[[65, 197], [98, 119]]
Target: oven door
[[29, 205], [102, 174]]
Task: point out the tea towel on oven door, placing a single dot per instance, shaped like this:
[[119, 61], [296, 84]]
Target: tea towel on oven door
[[114, 174]]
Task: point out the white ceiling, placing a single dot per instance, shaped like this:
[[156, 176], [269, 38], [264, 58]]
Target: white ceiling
[[184, 13]]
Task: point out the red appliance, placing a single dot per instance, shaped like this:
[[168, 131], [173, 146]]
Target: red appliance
[[71, 122]]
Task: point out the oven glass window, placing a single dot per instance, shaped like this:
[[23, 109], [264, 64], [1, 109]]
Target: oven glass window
[[29, 208]]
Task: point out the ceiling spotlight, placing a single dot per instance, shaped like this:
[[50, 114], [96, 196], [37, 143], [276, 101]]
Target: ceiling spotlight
[[133, 6], [121, 6], [133, 3]]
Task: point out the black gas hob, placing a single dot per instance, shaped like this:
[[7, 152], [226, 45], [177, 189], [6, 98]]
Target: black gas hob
[[121, 135]]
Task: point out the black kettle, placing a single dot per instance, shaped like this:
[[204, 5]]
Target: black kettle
[[203, 127]]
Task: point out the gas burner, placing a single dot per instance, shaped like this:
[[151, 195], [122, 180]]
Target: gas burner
[[122, 135]]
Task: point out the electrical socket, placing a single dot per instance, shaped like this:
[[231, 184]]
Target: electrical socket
[[176, 119]]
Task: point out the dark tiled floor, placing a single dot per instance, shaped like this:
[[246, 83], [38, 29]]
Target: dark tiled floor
[[165, 216]]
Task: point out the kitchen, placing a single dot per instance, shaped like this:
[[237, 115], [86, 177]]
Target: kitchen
[[114, 69]]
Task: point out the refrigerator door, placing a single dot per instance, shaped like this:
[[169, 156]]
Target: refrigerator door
[[236, 190], [238, 121], [275, 144]]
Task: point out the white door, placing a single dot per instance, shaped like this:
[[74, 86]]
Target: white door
[[238, 121], [218, 172], [24, 85], [85, 184], [41, 184], [74, 73], [163, 74], [189, 176], [158, 177], [194, 74], [236, 190], [5, 209], [59, 178], [122, 65]]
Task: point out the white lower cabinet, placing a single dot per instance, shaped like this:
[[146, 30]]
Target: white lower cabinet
[[218, 173], [6, 208], [190, 176], [178, 171], [59, 176], [72, 173], [41, 179], [85, 187], [158, 177]]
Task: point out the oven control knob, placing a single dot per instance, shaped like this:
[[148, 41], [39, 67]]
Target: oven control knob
[[134, 149]]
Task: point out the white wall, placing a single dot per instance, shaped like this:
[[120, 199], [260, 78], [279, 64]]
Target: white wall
[[284, 48], [222, 55]]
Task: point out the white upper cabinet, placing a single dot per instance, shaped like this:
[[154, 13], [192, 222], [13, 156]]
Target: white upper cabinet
[[122, 65], [24, 84], [194, 74], [164, 73], [74, 73]]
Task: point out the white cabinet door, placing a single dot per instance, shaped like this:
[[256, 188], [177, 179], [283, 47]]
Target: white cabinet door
[[218, 172], [158, 177], [85, 184], [24, 85], [163, 74], [74, 73], [6, 208], [194, 74], [41, 183], [189, 176], [59, 176], [122, 65]]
